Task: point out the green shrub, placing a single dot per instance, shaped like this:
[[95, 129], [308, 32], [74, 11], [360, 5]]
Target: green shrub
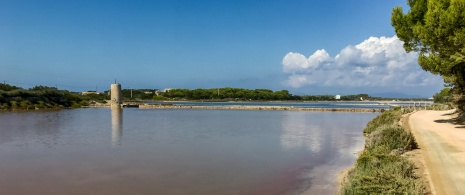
[[380, 169], [390, 117], [158, 98], [5, 106], [393, 138], [382, 174]]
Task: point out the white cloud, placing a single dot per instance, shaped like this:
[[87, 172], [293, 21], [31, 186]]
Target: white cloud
[[296, 62], [297, 81], [374, 62]]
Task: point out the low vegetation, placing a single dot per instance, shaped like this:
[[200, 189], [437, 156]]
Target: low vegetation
[[239, 94], [39, 97], [381, 168]]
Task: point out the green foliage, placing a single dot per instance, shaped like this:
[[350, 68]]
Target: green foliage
[[357, 97], [436, 29], [38, 97], [13, 104], [381, 169], [382, 174], [228, 94], [7, 87], [96, 97], [444, 96], [389, 118], [158, 98], [392, 138], [138, 94], [317, 98], [4, 106], [42, 88]]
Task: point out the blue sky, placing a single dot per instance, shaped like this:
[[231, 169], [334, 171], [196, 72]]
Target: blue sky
[[81, 45]]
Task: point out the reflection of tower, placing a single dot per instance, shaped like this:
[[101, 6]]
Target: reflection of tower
[[116, 95], [116, 125]]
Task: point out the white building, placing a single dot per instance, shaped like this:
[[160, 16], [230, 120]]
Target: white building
[[338, 97], [167, 89], [90, 92]]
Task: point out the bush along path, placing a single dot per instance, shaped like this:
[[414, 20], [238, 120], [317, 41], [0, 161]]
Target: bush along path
[[381, 168]]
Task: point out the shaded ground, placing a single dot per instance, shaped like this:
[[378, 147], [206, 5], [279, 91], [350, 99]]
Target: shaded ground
[[442, 144]]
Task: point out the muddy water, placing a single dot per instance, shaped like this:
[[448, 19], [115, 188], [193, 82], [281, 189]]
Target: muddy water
[[133, 151]]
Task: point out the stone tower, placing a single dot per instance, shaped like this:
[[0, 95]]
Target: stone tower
[[116, 95]]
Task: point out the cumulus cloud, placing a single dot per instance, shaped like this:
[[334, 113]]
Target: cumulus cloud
[[374, 62]]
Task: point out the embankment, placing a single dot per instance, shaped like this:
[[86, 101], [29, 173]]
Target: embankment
[[383, 168], [169, 106]]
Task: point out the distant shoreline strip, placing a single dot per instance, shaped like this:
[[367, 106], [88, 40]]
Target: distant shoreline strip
[[161, 106]]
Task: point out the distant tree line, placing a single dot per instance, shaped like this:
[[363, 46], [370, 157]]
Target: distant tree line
[[138, 94], [358, 97], [38, 97], [239, 94], [228, 94]]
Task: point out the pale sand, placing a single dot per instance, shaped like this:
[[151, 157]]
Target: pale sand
[[442, 145]]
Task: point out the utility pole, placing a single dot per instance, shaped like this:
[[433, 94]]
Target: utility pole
[[131, 92]]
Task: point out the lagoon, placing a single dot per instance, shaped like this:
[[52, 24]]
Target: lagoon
[[138, 151], [324, 104]]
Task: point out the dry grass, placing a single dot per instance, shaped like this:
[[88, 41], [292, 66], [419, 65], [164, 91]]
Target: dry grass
[[381, 169]]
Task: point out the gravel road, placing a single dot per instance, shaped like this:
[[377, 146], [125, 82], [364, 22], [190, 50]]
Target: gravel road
[[443, 147]]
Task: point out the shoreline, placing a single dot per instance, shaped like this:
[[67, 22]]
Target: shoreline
[[415, 156], [281, 108], [389, 161]]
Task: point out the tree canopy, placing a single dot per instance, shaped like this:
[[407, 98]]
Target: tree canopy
[[229, 93], [443, 96], [7, 87], [436, 29]]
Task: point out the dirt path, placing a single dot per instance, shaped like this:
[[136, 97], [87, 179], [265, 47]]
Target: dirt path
[[442, 144]]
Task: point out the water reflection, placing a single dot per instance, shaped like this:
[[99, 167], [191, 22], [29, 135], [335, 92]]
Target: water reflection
[[190, 151], [300, 131], [116, 125]]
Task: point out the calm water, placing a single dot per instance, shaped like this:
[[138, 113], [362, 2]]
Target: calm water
[[142, 151], [344, 104]]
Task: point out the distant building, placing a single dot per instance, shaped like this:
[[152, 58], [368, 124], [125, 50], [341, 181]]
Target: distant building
[[148, 92], [337, 97], [167, 89], [90, 92]]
